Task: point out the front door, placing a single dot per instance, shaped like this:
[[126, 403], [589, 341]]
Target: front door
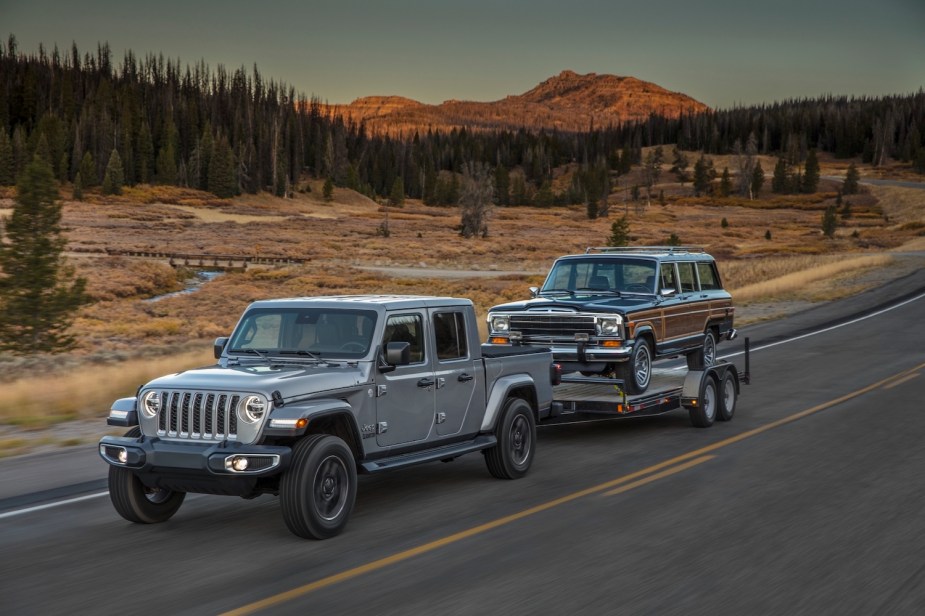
[[405, 408]]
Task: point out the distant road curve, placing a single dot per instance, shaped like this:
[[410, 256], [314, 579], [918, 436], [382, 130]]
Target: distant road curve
[[899, 183]]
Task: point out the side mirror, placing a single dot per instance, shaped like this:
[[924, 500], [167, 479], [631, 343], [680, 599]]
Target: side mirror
[[534, 291], [668, 292], [218, 347], [398, 353]]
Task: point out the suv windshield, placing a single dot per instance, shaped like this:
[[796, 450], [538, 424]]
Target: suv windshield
[[596, 275], [304, 332]]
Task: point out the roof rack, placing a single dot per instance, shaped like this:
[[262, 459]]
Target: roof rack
[[668, 249]]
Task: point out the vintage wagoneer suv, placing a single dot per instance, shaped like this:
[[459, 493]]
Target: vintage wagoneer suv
[[612, 311]]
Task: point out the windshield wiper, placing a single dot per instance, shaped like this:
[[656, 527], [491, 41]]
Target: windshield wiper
[[262, 354], [600, 291], [309, 355], [557, 292]]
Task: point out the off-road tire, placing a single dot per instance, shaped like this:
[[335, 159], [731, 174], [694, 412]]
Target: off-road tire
[[136, 502], [516, 434], [318, 491]]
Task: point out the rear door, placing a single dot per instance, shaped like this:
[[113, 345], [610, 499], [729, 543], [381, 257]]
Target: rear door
[[457, 379]]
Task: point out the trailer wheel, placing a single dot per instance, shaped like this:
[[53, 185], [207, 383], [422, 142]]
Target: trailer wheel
[[728, 396], [704, 413], [516, 433], [136, 502], [318, 491], [636, 372], [705, 356]]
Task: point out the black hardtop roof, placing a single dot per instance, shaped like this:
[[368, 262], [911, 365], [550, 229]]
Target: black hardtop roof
[[373, 302]]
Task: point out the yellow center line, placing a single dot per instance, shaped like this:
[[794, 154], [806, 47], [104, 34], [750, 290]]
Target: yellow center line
[[696, 457], [671, 471], [908, 377]]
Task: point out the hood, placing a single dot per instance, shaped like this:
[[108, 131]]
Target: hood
[[580, 303], [290, 379]]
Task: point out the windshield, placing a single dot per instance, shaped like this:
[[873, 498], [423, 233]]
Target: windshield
[[601, 276], [304, 332]]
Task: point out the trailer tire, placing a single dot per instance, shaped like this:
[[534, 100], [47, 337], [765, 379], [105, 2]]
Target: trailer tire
[[511, 457], [318, 491], [728, 397], [136, 502], [704, 413]]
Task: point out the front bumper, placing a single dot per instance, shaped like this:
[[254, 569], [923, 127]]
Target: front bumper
[[582, 353], [154, 455]]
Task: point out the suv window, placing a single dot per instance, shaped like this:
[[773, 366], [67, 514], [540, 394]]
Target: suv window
[[450, 335], [687, 276], [669, 280], [709, 281], [406, 328]]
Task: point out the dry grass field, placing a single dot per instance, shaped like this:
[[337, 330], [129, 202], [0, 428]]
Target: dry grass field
[[125, 338]]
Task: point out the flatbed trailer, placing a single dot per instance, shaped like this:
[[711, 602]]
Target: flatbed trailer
[[708, 395]]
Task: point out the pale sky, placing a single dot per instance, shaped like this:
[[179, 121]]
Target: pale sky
[[721, 52]]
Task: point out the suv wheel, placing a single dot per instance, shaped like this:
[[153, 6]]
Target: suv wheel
[[636, 372], [705, 356]]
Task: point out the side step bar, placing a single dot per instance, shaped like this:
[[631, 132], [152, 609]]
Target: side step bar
[[483, 441]]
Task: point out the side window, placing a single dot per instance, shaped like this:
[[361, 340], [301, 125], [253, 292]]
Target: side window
[[687, 277], [406, 328], [668, 279], [709, 281], [450, 335]]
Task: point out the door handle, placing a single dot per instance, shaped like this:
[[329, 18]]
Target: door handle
[[463, 378], [425, 382]]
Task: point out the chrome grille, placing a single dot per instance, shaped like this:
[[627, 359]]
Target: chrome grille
[[198, 415], [552, 326]]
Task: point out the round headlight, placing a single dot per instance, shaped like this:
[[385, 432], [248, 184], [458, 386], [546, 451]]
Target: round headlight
[[500, 323], [252, 408], [150, 404], [609, 327]]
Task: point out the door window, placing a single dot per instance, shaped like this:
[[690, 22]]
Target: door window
[[687, 277], [407, 328], [450, 335]]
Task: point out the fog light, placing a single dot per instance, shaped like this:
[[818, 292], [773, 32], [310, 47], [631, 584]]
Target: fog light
[[239, 463], [123, 456]]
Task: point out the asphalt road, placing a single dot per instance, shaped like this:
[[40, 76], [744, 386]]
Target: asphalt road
[[808, 502]]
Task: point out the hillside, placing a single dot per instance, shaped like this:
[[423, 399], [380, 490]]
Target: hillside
[[566, 102]]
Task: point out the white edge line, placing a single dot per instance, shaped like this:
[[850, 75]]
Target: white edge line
[[16, 512]]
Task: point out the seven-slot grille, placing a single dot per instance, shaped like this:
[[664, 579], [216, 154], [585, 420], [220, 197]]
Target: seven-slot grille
[[552, 326], [206, 415]]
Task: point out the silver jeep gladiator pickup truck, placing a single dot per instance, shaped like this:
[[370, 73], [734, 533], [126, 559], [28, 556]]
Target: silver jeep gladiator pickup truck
[[308, 392]]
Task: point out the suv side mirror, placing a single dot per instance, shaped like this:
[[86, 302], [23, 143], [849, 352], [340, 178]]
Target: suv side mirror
[[218, 347], [534, 291], [398, 353]]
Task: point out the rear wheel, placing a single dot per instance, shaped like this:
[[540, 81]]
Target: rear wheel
[[704, 412], [318, 491], [705, 356], [516, 433], [636, 372], [136, 502], [728, 397]]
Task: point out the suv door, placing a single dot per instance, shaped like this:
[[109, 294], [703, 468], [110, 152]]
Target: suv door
[[458, 381], [405, 413]]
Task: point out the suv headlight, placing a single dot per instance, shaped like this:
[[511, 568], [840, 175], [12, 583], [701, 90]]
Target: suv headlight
[[252, 408], [150, 404], [499, 322], [608, 326]]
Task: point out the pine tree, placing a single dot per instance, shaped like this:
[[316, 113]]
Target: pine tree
[[829, 221], [222, 182], [327, 191], [145, 160], [619, 232], [38, 293], [780, 182], [502, 185], [7, 174], [78, 193], [852, 177], [475, 199], [87, 170], [757, 179], [115, 176], [702, 175], [167, 165], [810, 180], [725, 183], [397, 196]]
